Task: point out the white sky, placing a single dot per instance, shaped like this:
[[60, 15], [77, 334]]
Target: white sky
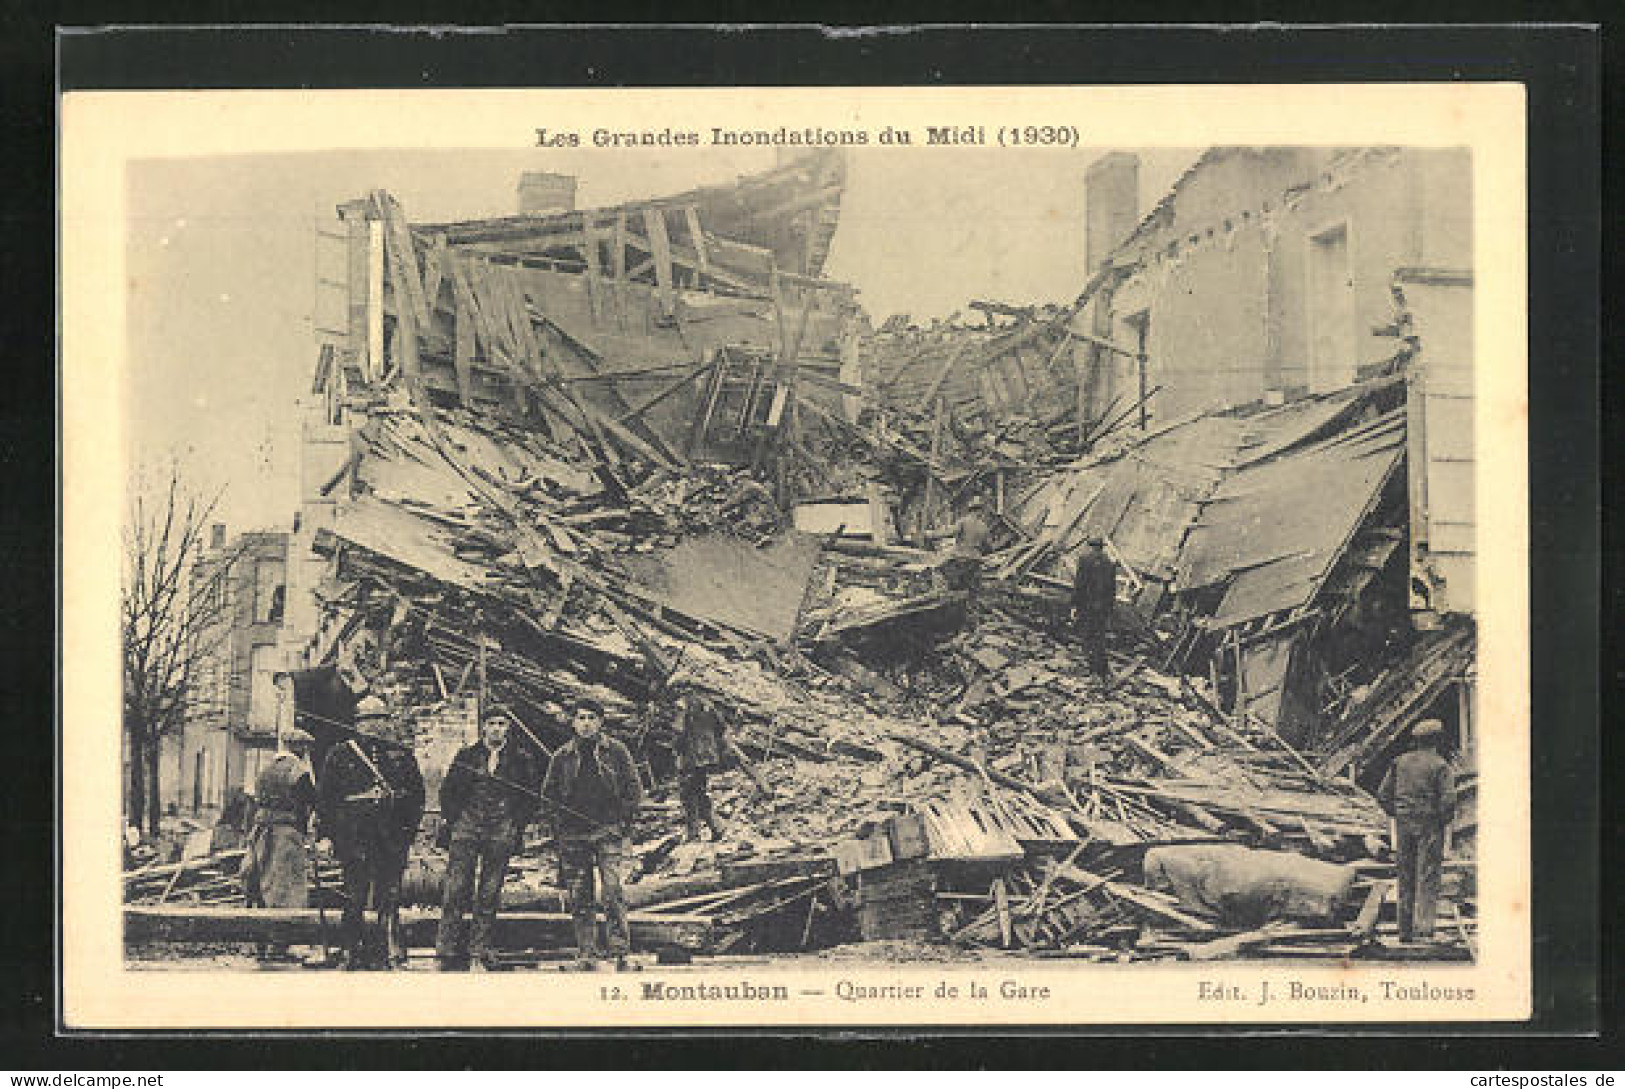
[[223, 263]]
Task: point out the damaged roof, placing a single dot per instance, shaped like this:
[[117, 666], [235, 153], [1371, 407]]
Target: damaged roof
[[1260, 504]]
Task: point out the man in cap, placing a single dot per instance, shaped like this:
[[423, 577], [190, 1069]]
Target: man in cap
[[487, 798], [589, 798], [1419, 793], [276, 867], [370, 800], [703, 747], [1094, 591]]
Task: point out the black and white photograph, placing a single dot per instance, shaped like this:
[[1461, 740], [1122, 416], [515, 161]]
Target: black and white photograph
[[918, 565]]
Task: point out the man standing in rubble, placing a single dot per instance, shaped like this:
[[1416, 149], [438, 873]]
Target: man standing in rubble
[[963, 568], [1094, 592], [703, 748], [1419, 794], [488, 797], [370, 800], [589, 798]]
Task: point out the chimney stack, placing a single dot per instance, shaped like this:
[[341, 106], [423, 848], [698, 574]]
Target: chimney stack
[[217, 536], [542, 193], [1112, 188]]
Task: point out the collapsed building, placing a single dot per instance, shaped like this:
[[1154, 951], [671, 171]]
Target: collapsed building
[[573, 451]]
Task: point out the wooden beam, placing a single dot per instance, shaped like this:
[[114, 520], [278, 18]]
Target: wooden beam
[[463, 353], [947, 368], [1366, 921], [1106, 344], [595, 274], [702, 422], [303, 926], [434, 264], [402, 256], [697, 238], [670, 391], [654, 222]]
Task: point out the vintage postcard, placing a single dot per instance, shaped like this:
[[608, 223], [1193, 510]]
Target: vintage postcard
[[775, 557]]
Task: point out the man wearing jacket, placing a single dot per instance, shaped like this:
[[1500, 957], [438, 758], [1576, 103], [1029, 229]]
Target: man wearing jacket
[[1419, 793], [487, 798], [1094, 591], [589, 798], [370, 800], [704, 748]]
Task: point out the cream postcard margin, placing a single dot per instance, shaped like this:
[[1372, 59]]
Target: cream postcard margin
[[100, 132]]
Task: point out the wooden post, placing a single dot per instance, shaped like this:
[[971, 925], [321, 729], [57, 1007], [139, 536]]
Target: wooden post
[[654, 222], [697, 236], [1144, 396], [463, 353], [595, 271], [1241, 679], [480, 697]]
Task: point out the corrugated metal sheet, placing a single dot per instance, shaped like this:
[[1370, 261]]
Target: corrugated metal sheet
[[1271, 532]]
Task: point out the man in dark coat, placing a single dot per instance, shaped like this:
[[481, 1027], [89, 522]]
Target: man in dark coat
[[590, 796], [370, 800], [1094, 591], [703, 748], [1419, 793], [489, 795]]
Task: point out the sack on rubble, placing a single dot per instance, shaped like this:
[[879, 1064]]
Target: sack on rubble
[[1244, 887]]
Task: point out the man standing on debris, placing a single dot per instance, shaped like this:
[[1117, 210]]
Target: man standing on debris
[[1419, 793], [488, 797], [590, 796], [703, 747], [370, 800], [963, 568], [1094, 591]]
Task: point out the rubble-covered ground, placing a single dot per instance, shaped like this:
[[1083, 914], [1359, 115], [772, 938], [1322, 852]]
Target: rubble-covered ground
[[1053, 815]]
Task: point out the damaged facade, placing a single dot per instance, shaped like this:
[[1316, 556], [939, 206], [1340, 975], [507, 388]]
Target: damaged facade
[[574, 451], [230, 729]]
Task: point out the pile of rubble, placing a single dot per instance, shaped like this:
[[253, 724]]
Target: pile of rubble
[[510, 529], [940, 769]]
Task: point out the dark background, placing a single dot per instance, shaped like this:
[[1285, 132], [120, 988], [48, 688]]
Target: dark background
[[1561, 68]]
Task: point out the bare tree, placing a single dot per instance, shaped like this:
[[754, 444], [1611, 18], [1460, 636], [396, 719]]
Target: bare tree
[[174, 620]]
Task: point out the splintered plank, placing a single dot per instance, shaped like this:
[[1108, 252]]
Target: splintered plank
[[697, 238], [463, 351], [595, 271], [434, 265], [469, 282], [1366, 921], [402, 256], [523, 326], [1144, 899], [1001, 904], [671, 390], [654, 222], [1233, 945]]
